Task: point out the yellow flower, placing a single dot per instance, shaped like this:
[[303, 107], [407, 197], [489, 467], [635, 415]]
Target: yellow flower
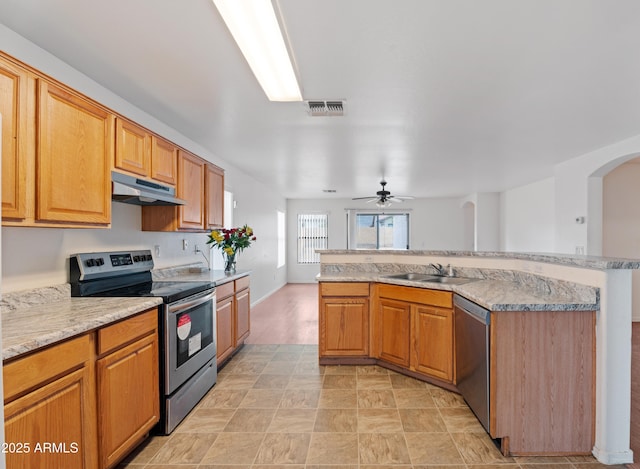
[[249, 231], [217, 236], [229, 251]]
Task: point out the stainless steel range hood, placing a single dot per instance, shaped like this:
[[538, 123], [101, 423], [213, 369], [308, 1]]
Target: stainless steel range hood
[[132, 190]]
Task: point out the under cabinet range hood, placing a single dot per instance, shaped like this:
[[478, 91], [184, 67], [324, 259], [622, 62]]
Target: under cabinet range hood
[[132, 190]]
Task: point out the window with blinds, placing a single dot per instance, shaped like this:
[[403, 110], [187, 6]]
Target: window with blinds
[[312, 235]]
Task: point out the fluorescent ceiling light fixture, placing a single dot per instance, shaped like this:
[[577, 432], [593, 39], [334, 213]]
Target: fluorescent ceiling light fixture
[[254, 26]]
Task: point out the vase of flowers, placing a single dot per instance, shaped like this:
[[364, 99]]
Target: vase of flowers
[[231, 242]]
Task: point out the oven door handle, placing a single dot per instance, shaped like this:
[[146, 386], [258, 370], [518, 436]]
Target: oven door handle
[[188, 304]]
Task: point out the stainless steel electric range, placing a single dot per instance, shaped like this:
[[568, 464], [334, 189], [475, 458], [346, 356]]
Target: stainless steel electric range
[[187, 323]]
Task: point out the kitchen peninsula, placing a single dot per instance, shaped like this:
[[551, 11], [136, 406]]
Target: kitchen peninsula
[[509, 284]]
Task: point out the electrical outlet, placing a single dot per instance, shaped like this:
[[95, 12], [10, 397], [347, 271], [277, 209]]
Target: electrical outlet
[[196, 248], [156, 250], [185, 244]]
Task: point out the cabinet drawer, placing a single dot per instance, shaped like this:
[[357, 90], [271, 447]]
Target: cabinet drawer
[[34, 370], [242, 283], [123, 332], [443, 299], [224, 290], [344, 289]]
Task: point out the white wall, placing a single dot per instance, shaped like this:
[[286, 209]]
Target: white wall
[[34, 257], [527, 217], [579, 193], [435, 224], [621, 220]]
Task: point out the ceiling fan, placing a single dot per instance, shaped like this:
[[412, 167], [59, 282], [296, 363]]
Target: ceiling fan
[[383, 197]]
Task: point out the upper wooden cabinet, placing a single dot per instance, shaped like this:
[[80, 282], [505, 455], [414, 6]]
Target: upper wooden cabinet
[[201, 185], [133, 148], [17, 107], [57, 153], [164, 160], [74, 154], [214, 197], [141, 153]]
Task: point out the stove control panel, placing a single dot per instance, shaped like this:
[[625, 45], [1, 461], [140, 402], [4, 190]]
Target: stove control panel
[[87, 266]]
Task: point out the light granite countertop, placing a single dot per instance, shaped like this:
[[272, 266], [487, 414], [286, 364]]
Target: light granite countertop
[[495, 295], [590, 262], [29, 328]]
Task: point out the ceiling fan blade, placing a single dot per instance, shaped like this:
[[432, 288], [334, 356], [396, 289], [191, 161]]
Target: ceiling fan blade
[[402, 197], [374, 197]]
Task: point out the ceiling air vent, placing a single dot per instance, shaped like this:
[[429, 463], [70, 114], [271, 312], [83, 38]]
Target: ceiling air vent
[[325, 108]]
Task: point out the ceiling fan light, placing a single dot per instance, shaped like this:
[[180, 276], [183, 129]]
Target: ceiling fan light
[[255, 28], [383, 203]]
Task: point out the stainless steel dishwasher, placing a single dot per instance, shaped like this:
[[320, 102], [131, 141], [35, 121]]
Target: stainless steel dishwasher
[[472, 325]]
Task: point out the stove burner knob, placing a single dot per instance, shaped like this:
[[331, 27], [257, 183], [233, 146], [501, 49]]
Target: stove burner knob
[[136, 258], [90, 262], [99, 261]]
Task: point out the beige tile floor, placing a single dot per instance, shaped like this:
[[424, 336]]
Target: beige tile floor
[[275, 407]]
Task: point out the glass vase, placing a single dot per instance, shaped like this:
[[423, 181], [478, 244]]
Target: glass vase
[[229, 263]]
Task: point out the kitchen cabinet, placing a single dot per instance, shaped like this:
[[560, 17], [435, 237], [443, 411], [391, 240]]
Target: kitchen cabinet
[[74, 155], [196, 185], [61, 178], [432, 341], [542, 381], [95, 397], [344, 320], [141, 153], [17, 107], [49, 399], [164, 160], [414, 329], [128, 389], [133, 148], [233, 316], [214, 197], [394, 320]]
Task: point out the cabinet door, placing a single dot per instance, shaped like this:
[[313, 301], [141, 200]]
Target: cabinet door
[[191, 171], [164, 160], [74, 158], [242, 315], [57, 414], [344, 327], [432, 342], [133, 148], [224, 329], [393, 328], [17, 108], [128, 398], [214, 197]]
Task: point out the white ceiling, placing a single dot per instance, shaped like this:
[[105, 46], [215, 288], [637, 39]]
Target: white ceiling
[[444, 97]]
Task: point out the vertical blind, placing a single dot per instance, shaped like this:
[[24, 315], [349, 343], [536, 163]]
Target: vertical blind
[[312, 235]]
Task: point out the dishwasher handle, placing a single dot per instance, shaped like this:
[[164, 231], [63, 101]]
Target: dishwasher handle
[[474, 310]]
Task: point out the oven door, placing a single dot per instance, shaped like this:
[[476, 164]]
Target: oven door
[[190, 338]]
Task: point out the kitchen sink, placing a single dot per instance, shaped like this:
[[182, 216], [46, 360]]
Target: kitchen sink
[[410, 276], [448, 280], [416, 277]]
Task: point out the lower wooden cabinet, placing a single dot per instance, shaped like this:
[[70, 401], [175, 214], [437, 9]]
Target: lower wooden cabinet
[[432, 342], [414, 329], [394, 321], [128, 389], [344, 320], [86, 402], [50, 417], [225, 344], [233, 317]]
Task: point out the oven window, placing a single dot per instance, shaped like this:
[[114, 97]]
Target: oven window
[[194, 330]]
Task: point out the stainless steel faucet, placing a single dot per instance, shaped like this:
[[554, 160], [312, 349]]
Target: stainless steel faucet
[[444, 271]]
